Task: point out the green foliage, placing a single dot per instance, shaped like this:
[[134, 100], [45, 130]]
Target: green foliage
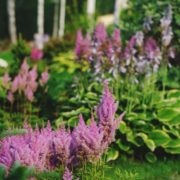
[[17, 172]]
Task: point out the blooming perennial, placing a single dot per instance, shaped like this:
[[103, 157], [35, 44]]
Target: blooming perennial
[[141, 56], [47, 149], [25, 82]]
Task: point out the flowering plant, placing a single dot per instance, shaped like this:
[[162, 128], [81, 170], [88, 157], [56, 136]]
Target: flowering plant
[[141, 56], [47, 149]]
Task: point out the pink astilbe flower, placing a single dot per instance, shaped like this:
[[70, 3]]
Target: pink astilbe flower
[[87, 141], [67, 174], [36, 54], [24, 67], [44, 78], [6, 80], [106, 115], [100, 33], [117, 37], [10, 97], [59, 152], [35, 148], [29, 94], [83, 45]]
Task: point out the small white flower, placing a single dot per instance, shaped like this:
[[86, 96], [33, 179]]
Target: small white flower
[[3, 63]]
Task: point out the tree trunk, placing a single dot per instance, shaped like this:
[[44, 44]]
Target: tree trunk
[[55, 20], [91, 4], [12, 20], [62, 18], [117, 8], [40, 20]]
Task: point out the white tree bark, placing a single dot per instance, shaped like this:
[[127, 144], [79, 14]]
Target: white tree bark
[[119, 5], [117, 8], [12, 20], [40, 20], [91, 4], [55, 20], [62, 18]]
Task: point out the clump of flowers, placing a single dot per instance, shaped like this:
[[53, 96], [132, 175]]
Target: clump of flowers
[[47, 149], [141, 56], [36, 54], [25, 82]]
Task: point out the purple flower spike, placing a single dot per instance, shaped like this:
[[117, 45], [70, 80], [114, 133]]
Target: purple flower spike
[[106, 115], [100, 33], [67, 174], [116, 36]]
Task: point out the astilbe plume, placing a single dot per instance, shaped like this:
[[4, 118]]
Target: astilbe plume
[[83, 45], [67, 174], [91, 141], [106, 116], [43, 149], [48, 149], [87, 141], [25, 82]]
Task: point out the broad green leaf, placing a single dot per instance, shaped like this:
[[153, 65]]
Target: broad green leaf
[[122, 146], [173, 94], [159, 137], [123, 127], [174, 143], [150, 157], [112, 154], [150, 144], [173, 150], [167, 114]]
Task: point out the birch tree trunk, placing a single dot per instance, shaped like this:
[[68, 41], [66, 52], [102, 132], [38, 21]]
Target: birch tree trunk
[[117, 8], [55, 20], [119, 5], [91, 4], [12, 20], [62, 18], [40, 20]]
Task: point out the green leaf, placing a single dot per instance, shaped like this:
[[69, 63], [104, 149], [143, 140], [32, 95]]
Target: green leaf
[[174, 143], [167, 114], [159, 137], [150, 157], [173, 150], [112, 154], [150, 144], [123, 127], [122, 146]]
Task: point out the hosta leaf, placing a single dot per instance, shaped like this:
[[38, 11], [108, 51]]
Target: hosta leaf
[[123, 127], [91, 95], [112, 154], [174, 121], [150, 144], [159, 137], [174, 143], [173, 94], [150, 157], [173, 150], [167, 114], [122, 146], [132, 138]]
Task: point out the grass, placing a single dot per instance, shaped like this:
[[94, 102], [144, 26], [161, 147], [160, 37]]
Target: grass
[[133, 170]]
